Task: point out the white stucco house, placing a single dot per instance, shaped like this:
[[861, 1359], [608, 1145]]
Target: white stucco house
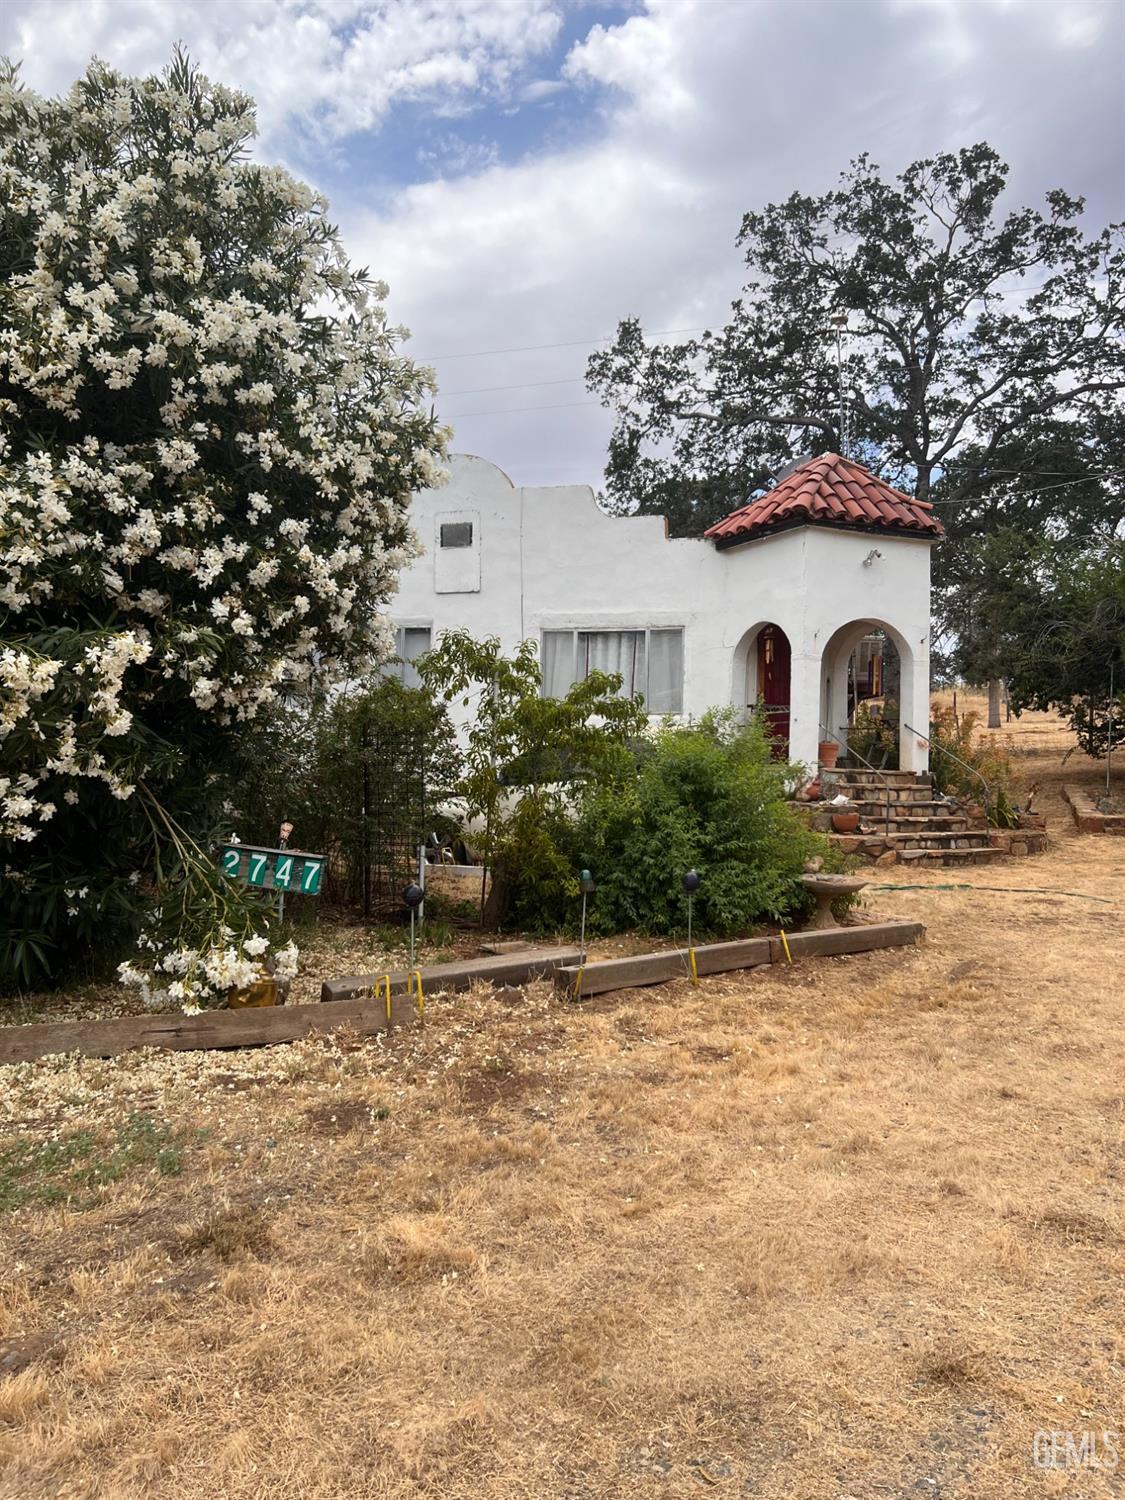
[[767, 607]]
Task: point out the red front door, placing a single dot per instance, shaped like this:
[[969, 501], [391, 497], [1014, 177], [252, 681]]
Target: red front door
[[773, 685]]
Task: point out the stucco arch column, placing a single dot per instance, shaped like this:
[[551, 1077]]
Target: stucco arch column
[[837, 659], [804, 708], [914, 660]]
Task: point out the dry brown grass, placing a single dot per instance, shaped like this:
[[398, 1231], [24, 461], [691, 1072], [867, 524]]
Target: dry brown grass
[[852, 1228]]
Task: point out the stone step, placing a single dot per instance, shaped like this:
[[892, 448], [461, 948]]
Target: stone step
[[864, 777], [947, 836], [949, 856], [952, 823], [880, 796], [878, 821], [912, 809], [936, 839]]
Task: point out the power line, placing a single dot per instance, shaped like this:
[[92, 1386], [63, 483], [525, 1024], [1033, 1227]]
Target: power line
[[520, 385], [503, 411], [1042, 489], [652, 333]]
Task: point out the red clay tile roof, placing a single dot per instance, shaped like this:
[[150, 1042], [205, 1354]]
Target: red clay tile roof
[[828, 491]]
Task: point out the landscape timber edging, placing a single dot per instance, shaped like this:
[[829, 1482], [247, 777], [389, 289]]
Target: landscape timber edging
[[1087, 818], [256, 1026], [266, 1025], [717, 958], [504, 968]]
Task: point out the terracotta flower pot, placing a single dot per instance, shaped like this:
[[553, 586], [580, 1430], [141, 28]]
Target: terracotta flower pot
[[828, 750], [845, 822]]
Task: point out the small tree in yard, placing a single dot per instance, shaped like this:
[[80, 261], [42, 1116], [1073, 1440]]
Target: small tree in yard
[[361, 773], [524, 756], [208, 441]]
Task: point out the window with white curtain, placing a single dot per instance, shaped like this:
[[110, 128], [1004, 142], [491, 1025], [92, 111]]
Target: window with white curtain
[[650, 663], [411, 642]]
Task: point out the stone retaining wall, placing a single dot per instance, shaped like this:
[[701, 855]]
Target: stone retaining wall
[[1018, 840], [1086, 815], [877, 849]]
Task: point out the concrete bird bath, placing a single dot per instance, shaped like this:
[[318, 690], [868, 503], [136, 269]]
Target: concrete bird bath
[[826, 889]]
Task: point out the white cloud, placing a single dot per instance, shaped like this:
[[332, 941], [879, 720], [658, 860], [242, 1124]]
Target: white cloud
[[337, 65], [714, 107], [662, 130]]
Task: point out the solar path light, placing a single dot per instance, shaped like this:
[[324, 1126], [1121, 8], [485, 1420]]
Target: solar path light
[[413, 896]]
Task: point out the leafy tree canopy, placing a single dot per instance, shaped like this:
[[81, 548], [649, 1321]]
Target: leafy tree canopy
[[963, 328], [1054, 615]]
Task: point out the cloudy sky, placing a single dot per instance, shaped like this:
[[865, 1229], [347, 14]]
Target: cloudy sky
[[526, 172]]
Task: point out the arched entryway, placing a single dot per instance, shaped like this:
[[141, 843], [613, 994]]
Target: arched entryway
[[764, 661], [867, 691]]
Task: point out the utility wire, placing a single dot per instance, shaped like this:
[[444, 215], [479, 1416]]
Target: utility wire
[[520, 385], [503, 411], [653, 333]]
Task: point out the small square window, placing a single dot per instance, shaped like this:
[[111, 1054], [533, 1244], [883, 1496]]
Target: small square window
[[457, 534]]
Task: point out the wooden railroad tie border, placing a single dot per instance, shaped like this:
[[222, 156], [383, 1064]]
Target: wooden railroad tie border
[[718, 958], [503, 968], [354, 1009], [253, 1027]]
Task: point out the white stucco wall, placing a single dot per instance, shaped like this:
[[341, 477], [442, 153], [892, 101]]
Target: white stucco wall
[[548, 558]]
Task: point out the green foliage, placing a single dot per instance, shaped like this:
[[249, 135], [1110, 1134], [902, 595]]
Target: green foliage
[[210, 440], [1057, 481], [873, 735], [707, 796], [71, 1168], [957, 750], [1057, 617], [360, 775], [528, 756]]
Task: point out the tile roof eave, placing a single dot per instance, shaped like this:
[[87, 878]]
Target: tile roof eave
[[725, 541]]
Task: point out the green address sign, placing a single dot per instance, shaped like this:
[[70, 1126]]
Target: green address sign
[[274, 869]]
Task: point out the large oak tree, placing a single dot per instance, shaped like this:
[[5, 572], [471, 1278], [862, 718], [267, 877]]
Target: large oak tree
[[969, 352]]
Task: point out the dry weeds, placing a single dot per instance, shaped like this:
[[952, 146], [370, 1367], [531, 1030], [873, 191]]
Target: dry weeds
[[852, 1228]]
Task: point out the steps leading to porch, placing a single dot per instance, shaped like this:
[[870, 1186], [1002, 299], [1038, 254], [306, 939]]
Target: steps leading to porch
[[907, 822]]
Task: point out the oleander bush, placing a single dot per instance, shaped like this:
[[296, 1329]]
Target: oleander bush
[[209, 437]]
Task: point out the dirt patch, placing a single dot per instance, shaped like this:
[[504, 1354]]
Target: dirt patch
[[20, 1352], [344, 1116], [499, 1083]]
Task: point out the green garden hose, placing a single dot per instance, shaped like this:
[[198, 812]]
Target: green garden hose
[[1015, 890]]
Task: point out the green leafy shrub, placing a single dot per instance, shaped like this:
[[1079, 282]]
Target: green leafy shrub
[[957, 750], [527, 758], [709, 797], [361, 775]]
